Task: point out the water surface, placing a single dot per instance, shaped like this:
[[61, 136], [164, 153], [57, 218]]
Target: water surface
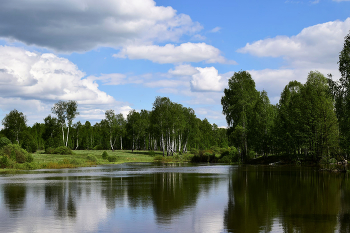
[[146, 197]]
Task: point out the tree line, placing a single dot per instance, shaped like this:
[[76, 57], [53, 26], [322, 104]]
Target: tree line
[[168, 127], [311, 120]]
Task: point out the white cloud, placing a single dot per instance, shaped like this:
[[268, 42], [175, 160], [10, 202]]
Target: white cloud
[[166, 83], [110, 79], [314, 48], [208, 79], [80, 25], [198, 37], [216, 29], [183, 70], [186, 52], [32, 82], [318, 45]]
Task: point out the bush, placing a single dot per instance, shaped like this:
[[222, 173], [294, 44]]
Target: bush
[[215, 149], [5, 161], [4, 141], [92, 158], [98, 147], [15, 153], [194, 151], [225, 159], [151, 153], [29, 158], [49, 150], [104, 155], [112, 158], [62, 150], [251, 154], [204, 157], [74, 162]]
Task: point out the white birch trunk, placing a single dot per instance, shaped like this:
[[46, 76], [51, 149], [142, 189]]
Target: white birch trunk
[[67, 137]]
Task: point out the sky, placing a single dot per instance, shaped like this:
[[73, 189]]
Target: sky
[[122, 54]]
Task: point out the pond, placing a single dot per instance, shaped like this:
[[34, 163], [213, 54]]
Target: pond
[[147, 197]]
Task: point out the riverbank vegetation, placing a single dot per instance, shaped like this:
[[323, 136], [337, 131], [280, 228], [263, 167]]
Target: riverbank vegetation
[[309, 123]]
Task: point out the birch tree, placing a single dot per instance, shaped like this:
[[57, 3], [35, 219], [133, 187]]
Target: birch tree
[[112, 127], [65, 111]]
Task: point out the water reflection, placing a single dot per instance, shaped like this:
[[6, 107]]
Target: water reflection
[[301, 199], [14, 197], [146, 197]]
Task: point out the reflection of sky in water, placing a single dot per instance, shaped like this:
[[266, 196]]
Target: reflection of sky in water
[[174, 198], [81, 201]]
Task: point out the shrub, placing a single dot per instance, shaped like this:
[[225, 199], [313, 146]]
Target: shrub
[[225, 159], [112, 158], [215, 149], [4, 161], [62, 150], [15, 152], [251, 154], [74, 162], [104, 155], [151, 153], [194, 151], [204, 157], [4, 141], [98, 147], [229, 155], [92, 158], [29, 158], [49, 150]]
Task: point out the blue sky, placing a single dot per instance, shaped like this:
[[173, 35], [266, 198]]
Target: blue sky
[[121, 54]]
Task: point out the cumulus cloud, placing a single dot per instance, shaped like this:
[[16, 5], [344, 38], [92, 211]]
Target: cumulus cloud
[[186, 52], [183, 70], [318, 45], [207, 79], [33, 82], [314, 48], [80, 25]]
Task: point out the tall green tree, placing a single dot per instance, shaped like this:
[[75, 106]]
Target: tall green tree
[[51, 132], [262, 123], [14, 123], [238, 102], [341, 94], [320, 124]]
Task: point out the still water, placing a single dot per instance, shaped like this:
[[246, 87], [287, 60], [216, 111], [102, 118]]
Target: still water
[[146, 197]]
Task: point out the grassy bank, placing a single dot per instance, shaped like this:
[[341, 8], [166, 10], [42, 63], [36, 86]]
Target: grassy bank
[[63, 157], [82, 158], [87, 158]]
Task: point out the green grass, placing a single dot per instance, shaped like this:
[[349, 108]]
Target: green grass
[[79, 158], [82, 158]]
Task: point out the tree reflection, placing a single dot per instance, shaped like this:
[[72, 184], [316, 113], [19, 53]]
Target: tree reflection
[[301, 199], [61, 197], [173, 193], [14, 196]]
